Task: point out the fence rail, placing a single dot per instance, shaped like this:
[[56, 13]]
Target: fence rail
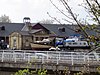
[[50, 56]]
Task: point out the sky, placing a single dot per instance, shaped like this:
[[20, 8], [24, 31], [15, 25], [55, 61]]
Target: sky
[[35, 9]]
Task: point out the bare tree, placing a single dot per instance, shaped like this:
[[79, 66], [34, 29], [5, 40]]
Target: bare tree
[[92, 7], [5, 19]]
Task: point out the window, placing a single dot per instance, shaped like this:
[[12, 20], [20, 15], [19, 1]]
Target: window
[[61, 29], [14, 42], [46, 37], [84, 43], [74, 43], [3, 28], [26, 40], [37, 38], [41, 38], [69, 43]]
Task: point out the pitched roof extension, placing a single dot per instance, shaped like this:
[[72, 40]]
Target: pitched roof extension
[[10, 27]]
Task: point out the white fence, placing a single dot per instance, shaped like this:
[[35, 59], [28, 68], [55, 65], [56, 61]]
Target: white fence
[[58, 57]]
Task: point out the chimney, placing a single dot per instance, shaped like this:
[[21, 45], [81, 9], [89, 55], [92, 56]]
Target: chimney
[[26, 21]]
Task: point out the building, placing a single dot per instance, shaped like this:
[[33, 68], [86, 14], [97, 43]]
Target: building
[[20, 35]]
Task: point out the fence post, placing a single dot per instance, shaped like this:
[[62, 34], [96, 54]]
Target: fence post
[[14, 56], [2, 55], [42, 59], [96, 55], [88, 58], [72, 58], [47, 55], [59, 55], [85, 58], [24, 55], [28, 58]]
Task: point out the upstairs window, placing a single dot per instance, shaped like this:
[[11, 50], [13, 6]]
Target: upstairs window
[[61, 29], [3, 28]]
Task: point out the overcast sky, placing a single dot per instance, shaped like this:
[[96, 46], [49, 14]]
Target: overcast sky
[[35, 9]]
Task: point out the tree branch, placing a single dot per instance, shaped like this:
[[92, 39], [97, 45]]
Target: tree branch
[[78, 23], [93, 11], [97, 3], [60, 10], [62, 24], [93, 49]]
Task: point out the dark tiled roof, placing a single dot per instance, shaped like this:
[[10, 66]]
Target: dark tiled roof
[[25, 28], [53, 28], [69, 29], [10, 27], [35, 30], [24, 33]]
